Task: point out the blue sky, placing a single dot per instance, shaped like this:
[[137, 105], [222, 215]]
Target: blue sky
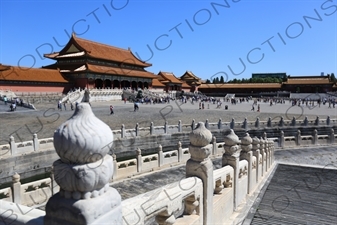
[[210, 38]]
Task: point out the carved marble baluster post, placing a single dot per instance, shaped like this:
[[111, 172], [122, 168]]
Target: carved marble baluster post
[[36, 143], [232, 157], [298, 137], [281, 139], [263, 154], [16, 188], [215, 147], [12, 145], [332, 136], [247, 154], [83, 173], [151, 128], [256, 153], [305, 122], [200, 165], [315, 137], [180, 152], [180, 129], [139, 160], [160, 156]]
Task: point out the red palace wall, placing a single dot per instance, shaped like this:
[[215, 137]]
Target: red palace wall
[[37, 88]]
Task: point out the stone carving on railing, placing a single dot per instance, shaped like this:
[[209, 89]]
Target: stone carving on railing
[[232, 157], [200, 165], [247, 154], [83, 172]]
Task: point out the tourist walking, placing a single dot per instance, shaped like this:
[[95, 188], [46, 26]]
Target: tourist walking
[[111, 109], [135, 107], [65, 106], [5, 100], [59, 105], [258, 107]]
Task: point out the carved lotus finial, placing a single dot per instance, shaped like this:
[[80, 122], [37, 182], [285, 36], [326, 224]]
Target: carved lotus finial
[[83, 138], [231, 139], [200, 136], [246, 140], [255, 140]]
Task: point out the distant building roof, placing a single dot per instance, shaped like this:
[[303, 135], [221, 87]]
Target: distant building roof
[[111, 71], [15, 73], [242, 85], [157, 83], [309, 80], [168, 77], [79, 47]]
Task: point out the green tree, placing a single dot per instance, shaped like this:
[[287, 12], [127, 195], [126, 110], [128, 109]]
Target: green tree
[[208, 81], [333, 78], [222, 80]]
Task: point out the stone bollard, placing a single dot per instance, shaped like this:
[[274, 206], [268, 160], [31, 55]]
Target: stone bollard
[[256, 153], [201, 166], [215, 147], [281, 139], [245, 124], [137, 130], [232, 157], [16, 188], [293, 121], [269, 122], [180, 129], [123, 131], [332, 136], [139, 160], [220, 124], [180, 152], [12, 145], [257, 122], [314, 137], [298, 138], [160, 156], [36, 143], [207, 124], [317, 121], [232, 124], [85, 196], [151, 129], [281, 123], [328, 120], [305, 121], [247, 154]]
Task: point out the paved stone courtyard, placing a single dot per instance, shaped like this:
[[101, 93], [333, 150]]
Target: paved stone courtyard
[[43, 121]]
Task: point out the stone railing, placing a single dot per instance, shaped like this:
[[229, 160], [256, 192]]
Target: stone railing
[[96, 95], [19, 148], [24, 104], [206, 196], [281, 141], [31, 194]]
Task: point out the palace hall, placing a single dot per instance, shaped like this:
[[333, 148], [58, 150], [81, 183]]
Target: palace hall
[[87, 64]]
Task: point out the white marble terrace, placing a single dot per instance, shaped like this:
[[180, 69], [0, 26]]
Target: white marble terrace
[[83, 172]]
